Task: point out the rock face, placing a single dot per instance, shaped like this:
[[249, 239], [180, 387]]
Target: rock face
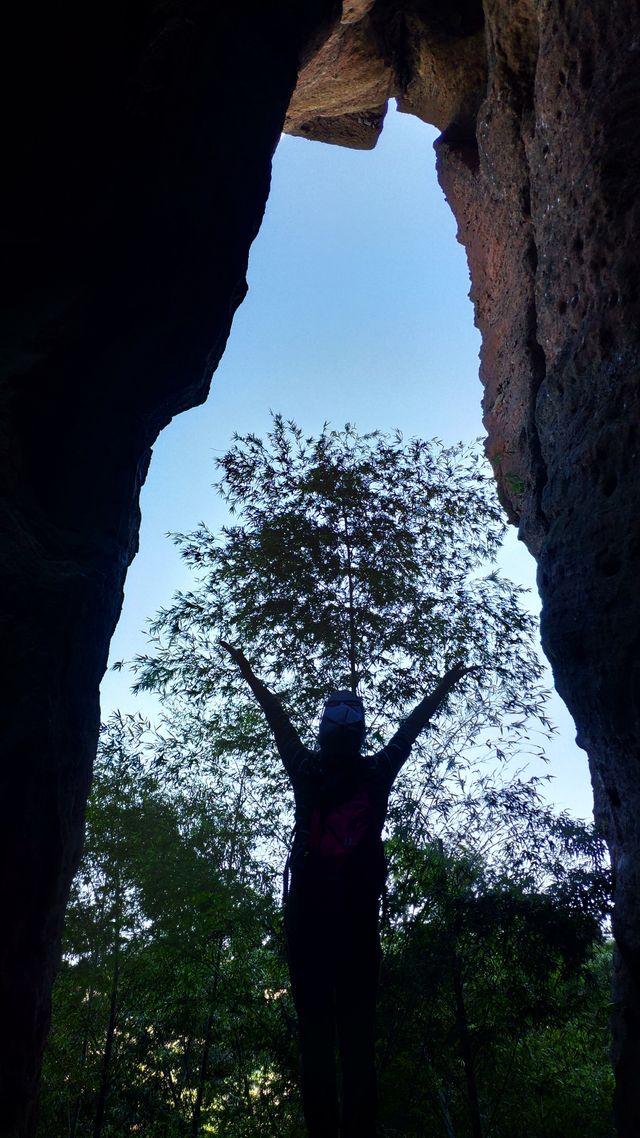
[[431, 57], [138, 157], [347, 72], [540, 161], [137, 166]]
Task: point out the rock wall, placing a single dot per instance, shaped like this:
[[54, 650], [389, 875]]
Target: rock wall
[[551, 222], [136, 164], [539, 157], [138, 154]]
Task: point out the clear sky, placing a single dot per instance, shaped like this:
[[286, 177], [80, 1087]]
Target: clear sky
[[357, 311]]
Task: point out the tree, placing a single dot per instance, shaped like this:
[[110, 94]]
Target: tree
[[362, 560], [496, 990], [162, 1019]]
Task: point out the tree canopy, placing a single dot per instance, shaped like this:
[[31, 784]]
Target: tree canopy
[[357, 560]]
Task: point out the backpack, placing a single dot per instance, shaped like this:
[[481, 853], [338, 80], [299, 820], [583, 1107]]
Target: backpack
[[344, 863], [340, 833]]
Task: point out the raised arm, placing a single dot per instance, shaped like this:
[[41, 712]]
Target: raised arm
[[397, 749], [420, 716], [286, 737]]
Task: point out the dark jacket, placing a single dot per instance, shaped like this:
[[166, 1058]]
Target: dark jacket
[[323, 781]]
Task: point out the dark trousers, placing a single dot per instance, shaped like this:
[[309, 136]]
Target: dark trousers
[[334, 960]]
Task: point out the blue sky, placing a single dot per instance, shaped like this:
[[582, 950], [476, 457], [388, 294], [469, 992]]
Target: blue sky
[[357, 311]]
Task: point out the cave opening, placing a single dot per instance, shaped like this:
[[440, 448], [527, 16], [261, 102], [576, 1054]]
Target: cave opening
[[357, 311]]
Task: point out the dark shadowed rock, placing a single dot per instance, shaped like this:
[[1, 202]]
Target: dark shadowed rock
[[137, 166]]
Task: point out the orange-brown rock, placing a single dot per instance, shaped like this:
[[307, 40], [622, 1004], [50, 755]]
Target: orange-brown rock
[[342, 92], [433, 62]]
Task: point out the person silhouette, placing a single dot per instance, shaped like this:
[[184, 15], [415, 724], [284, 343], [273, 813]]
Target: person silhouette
[[337, 872]]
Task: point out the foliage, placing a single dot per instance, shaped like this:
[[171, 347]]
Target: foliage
[[354, 559], [174, 922], [496, 975], [495, 1001], [358, 560]]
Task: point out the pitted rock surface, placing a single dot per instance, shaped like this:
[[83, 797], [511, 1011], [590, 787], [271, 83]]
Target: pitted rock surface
[[539, 158]]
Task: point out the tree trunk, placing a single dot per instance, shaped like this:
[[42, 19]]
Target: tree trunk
[[467, 1052], [202, 1077], [111, 1025], [73, 1120], [445, 1114], [352, 626]]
